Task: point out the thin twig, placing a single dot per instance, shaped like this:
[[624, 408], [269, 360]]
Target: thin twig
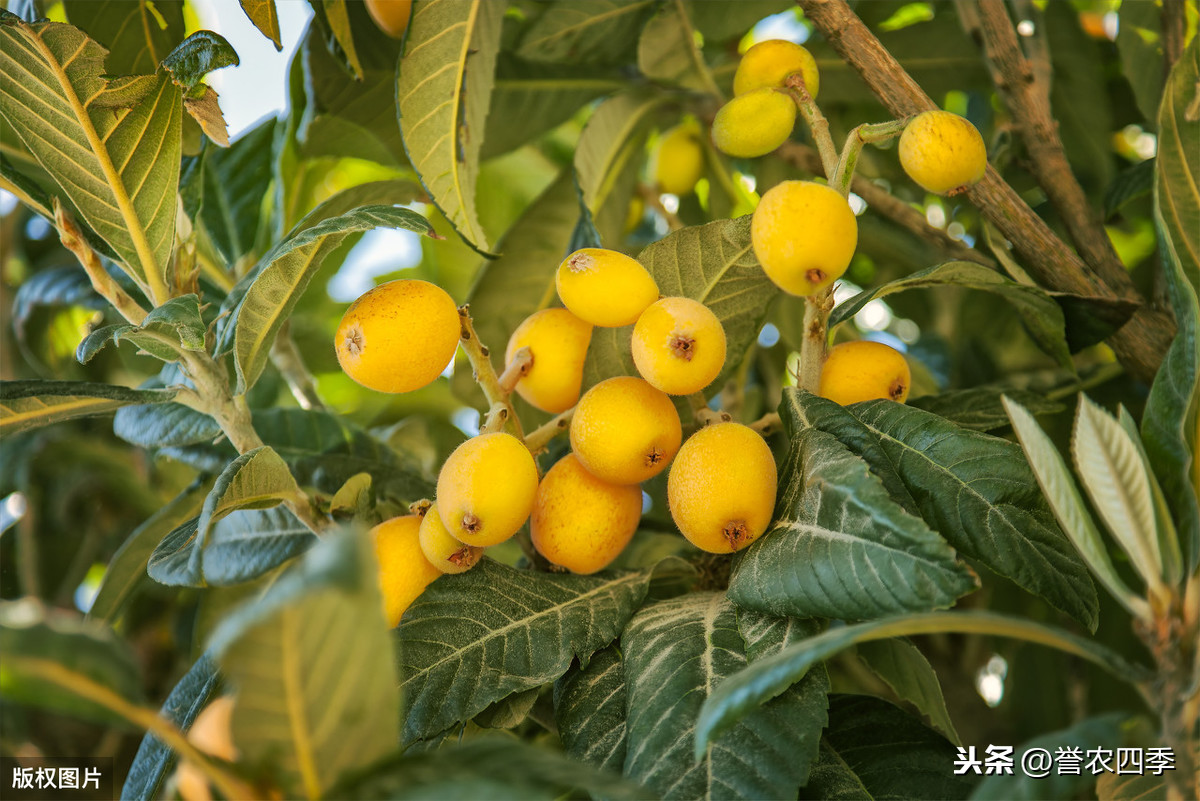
[[818, 126], [485, 373], [816, 338], [655, 202], [518, 368], [1143, 341], [104, 284], [287, 359], [540, 437], [1174, 27], [768, 424], [861, 135]]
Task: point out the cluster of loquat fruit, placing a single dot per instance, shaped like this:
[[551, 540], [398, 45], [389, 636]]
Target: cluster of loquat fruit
[[625, 430]]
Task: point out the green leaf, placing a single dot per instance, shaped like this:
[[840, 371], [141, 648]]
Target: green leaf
[[198, 55], [1110, 465], [721, 20], [872, 749], [442, 93], [531, 99], [495, 768], [764, 679], [51, 660], [154, 759], [264, 16], [58, 286], [1059, 487], [47, 70], [508, 713], [31, 404], [1169, 425], [904, 669], [164, 425], [1168, 538], [338, 17], [712, 263], [1078, 66], [174, 326], [676, 652], [610, 152], [1132, 183], [601, 32], [252, 542], [589, 708], [235, 180], [255, 480], [264, 299], [1042, 317], [1139, 42], [137, 34], [1104, 731], [344, 117], [127, 569], [314, 668], [974, 489], [983, 408], [839, 546], [668, 53], [521, 628]]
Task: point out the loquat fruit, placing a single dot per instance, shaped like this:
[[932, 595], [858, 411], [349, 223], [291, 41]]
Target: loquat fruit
[[804, 235], [558, 341], [625, 431], [485, 489], [942, 152], [444, 552], [391, 16], [678, 345], [721, 488], [604, 287], [404, 572], [860, 371], [755, 123], [678, 161], [398, 336], [769, 63], [580, 522]]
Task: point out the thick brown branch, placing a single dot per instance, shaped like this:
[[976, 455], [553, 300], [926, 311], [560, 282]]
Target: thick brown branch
[[1142, 342], [1174, 28], [1027, 96]]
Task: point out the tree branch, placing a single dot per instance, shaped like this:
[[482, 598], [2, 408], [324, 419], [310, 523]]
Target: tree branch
[[287, 359], [1027, 95], [1143, 341]]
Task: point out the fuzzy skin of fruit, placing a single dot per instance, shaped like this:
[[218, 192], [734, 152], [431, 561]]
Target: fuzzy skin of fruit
[[212, 733], [942, 152], [625, 431], [558, 341], [860, 371], [580, 522], [444, 552], [390, 15], [486, 488], [769, 63], [804, 235], [398, 336], [404, 572], [678, 161], [721, 488], [604, 287], [754, 124], [679, 345]]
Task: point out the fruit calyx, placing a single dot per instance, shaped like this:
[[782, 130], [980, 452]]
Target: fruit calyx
[[682, 346]]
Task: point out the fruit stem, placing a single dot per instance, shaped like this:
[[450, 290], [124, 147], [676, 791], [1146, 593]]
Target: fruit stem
[[816, 336], [496, 417], [768, 424], [861, 135], [817, 124], [287, 359], [517, 369], [485, 374], [541, 436], [655, 202]]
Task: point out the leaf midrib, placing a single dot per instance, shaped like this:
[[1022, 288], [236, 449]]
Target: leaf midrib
[[158, 288], [523, 622]]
